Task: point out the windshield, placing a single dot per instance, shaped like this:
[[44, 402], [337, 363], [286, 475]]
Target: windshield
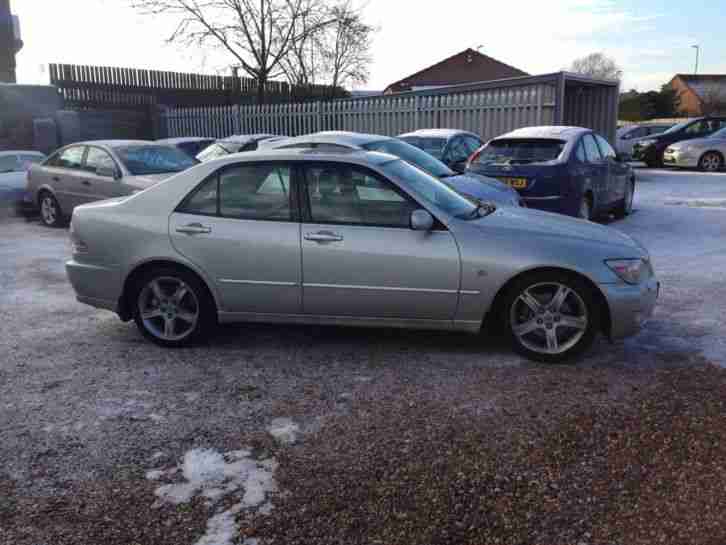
[[678, 127], [150, 159], [430, 189], [432, 146], [412, 154], [520, 151]]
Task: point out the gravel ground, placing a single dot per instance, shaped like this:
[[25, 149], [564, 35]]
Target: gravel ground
[[391, 437]]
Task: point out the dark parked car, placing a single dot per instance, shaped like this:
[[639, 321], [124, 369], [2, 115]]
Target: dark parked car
[[191, 145], [651, 150], [233, 144], [569, 170], [451, 146]]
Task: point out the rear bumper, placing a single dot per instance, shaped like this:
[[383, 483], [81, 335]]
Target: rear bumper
[[630, 306], [98, 286]]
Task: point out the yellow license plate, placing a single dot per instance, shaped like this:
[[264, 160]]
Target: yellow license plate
[[516, 183]]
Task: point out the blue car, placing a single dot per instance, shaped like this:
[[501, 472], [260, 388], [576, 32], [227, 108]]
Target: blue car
[[569, 170]]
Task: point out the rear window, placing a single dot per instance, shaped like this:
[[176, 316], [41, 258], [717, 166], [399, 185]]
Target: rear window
[[152, 159], [434, 146], [521, 151]]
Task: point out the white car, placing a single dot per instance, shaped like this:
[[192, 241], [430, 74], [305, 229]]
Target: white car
[[628, 135], [13, 168]]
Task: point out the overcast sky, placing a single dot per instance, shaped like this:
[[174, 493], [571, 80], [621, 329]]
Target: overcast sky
[[650, 39]]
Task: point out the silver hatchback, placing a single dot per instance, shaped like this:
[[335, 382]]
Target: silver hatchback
[[357, 238]]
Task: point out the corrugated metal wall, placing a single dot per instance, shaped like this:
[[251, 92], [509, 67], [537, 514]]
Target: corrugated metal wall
[[488, 109]]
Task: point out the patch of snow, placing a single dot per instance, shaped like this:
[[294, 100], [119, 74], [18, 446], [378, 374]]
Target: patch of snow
[[154, 474], [214, 476], [284, 430]]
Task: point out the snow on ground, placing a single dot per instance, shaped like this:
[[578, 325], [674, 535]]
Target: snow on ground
[[284, 430], [215, 476], [679, 217]]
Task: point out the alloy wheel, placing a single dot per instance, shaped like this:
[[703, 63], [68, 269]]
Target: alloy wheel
[[49, 210], [711, 162], [168, 308], [549, 318]]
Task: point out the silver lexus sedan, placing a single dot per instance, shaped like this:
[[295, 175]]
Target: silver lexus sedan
[[353, 238]]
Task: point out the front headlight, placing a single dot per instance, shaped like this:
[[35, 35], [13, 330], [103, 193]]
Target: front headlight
[[646, 143], [629, 270], [77, 244]]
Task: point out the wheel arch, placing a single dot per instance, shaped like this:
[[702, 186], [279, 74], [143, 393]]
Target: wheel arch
[[716, 151], [125, 304], [495, 312]]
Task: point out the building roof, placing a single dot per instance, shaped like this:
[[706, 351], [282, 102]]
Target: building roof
[[703, 84], [465, 67], [552, 131]]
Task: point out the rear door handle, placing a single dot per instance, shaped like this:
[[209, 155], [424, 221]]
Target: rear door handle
[[86, 182], [56, 179], [194, 229], [323, 236]]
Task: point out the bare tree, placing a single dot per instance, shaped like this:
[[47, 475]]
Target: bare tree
[[303, 65], [258, 34], [346, 45], [598, 66], [713, 98]]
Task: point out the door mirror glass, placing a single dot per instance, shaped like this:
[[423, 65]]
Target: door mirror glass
[[107, 172], [421, 220]]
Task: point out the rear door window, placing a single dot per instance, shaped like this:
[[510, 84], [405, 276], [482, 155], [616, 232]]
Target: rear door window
[[71, 158], [606, 149], [97, 158], [592, 152]]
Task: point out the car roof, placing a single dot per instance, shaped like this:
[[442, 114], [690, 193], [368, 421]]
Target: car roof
[[438, 133], [555, 132], [116, 143], [245, 138], [183, 139], [362, 157], [344, 138], [18, 152]]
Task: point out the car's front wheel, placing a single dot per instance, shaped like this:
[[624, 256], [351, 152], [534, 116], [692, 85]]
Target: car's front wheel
[[550, 317], [50, 211], [711, 162], [173, 307]]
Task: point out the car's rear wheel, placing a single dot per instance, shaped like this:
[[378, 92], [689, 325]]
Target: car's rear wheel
[[711, 161], [550, 317], [50, 211], [626, 207], [173, 307]]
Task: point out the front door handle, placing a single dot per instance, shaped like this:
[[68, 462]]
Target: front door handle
[[86, 182], [194, 229], [323, 236], [56, 179]]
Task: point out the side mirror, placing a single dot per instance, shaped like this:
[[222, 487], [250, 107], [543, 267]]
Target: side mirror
[[108, 172], [421, 220]]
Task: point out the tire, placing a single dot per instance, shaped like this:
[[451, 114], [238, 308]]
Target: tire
[[625, 208], [585, 210], [711, 161], [172, 307], [50, 211], [550, 317]]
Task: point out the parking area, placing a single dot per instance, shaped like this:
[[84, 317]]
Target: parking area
[[106, 438]]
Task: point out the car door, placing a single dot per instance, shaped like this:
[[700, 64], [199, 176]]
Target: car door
[[361, 258], [64, 174], [241, 227], [598, 171], [102, 180], [617, 172]]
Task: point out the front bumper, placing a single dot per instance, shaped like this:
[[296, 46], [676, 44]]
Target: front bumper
[[680, 158], [98, 286], [630, 306]]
